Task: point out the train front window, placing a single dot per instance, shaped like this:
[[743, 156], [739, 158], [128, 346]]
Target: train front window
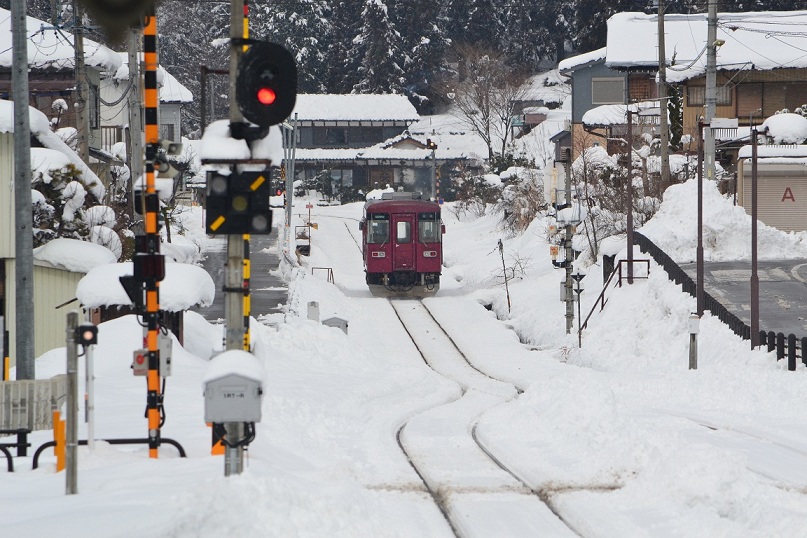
[[429, 227], [378, 229], [403, 233]]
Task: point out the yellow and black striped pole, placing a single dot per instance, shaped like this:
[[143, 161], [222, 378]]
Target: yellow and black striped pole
[[247, 265], [151, 212]]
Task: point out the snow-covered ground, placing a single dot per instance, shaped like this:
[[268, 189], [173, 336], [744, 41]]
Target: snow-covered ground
[[625, 439]]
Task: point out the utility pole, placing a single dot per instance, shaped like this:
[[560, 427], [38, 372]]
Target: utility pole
[[290, 173], [754, 274], [567, 243], [134, 150], [711, 88], [699, 298], [233, 280], [71, 438], [82, 89], [662, 97], [24, 238]]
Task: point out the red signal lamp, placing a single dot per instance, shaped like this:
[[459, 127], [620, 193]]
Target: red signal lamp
[[266, 96]]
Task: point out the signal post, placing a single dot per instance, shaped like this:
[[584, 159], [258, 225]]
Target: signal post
[[263, 88]]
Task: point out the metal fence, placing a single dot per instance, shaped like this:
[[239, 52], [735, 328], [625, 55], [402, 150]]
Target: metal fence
[[789, 346]]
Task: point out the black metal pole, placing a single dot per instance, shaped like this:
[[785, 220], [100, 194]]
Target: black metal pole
[[699, 249], [754, 274]]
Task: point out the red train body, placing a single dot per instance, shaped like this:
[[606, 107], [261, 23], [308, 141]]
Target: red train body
[[402, 245]]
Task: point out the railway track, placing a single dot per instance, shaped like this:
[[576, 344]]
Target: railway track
[[478, 494]]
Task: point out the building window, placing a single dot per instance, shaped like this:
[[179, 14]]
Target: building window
[[607, 91], [641, 88], [167, 131], [696, 95], [344, 176], [95, 107], [330, 136]]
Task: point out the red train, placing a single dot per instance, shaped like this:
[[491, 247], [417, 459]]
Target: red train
[[402, 245]]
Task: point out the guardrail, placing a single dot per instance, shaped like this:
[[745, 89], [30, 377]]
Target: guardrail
[[790, 345]]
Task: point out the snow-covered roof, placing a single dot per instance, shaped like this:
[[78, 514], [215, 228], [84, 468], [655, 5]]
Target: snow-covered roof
[[796, 151], [581, 60], [184, 286], [234, 362], [752, 40], [40, 127], [617, 114], [74, 255], [354, 107], [171, 90], [217, 144], [549, 87], [51, 48], [785, 128]]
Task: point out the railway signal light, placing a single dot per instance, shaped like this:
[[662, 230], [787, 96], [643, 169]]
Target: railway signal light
[[266, 84], [238, 203], [87, 334]]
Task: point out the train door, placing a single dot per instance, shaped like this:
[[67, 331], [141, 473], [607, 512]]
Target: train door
[[404, 255]]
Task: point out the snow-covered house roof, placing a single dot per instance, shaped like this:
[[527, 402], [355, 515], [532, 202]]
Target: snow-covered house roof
[[549, 87], [605, 115], [354, 107], [184, 286], [40, 128], [52, 49], [752, 40], [171, 90], [74, 255], [568, 65]]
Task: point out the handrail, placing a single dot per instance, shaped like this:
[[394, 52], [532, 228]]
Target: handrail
[[601, 297], [329, 274]]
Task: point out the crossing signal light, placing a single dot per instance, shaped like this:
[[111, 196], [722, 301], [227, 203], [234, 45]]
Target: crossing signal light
[[238, 203], [266, 84]]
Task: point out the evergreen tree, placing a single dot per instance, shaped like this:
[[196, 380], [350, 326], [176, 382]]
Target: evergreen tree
[[303, 27], [182, 52], [421, 24], [476, 22], [341, 61], [379, 46], [523, 31]]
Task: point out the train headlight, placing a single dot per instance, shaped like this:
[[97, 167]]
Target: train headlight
[[429, 253], [379, 254]]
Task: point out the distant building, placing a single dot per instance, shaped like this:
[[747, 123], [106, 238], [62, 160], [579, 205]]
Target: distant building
[[363, 141]]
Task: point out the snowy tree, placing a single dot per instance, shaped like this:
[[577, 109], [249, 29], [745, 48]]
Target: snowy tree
[[484, 96], [187, 31], [476, 22], [342, 62], [421, 26], [58, 208], [303, 27], [379, 46]]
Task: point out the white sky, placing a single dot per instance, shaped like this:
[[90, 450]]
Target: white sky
[[620, 429]]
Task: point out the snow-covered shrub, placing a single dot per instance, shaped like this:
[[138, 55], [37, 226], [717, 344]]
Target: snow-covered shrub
[[522, 200]]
